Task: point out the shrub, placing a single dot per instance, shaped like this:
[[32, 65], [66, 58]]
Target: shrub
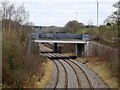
[[19, 64]]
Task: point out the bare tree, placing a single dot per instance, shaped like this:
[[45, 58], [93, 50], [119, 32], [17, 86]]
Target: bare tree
[[21, 15], [10, 12], [7, 10]]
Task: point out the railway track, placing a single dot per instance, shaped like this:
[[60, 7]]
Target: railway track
[[70, 74], [58, 79], [66, 75], [73, 65], [57, 75], [62, 62], [87, 79]]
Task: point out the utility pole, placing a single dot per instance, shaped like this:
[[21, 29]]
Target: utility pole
[[76, 20], [97, 11], [76, 15]]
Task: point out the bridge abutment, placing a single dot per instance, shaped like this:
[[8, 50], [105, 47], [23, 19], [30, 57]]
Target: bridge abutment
[[80, 49]]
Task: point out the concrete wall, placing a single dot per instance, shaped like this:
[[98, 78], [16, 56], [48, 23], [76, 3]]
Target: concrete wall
[[98, 50]]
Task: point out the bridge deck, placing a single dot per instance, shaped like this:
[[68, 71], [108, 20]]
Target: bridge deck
[[62, 41]]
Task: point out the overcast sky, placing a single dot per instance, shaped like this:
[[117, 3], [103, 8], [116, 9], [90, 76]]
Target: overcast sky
[[59, 12]]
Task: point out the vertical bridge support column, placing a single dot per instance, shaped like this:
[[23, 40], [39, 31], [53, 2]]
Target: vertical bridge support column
[[79, 50], [55, 48]]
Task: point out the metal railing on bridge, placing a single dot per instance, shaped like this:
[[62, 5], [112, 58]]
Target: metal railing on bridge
[[60, 36]]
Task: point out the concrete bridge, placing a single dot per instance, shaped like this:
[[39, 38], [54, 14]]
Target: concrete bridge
[[79, 43]]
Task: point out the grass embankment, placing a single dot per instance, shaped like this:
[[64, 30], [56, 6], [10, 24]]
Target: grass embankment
[[22, 65], [107, 35], [107, 73]]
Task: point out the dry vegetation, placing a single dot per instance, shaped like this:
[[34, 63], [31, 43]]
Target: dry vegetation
[[104, 61], [21, 64], [105, 71], [46, 78]]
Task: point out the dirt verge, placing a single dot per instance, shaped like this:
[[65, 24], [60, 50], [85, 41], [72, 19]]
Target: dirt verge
[[103, 70], [48, 72]]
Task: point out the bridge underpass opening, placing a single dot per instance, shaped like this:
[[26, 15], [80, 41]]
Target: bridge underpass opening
[[78, 49]]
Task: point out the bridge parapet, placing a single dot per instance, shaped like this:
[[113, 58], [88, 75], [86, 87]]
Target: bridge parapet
[[61, 36]]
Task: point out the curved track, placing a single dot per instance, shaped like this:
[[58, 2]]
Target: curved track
[[57, 75], [71, 75], [72, 63], [73, 66]]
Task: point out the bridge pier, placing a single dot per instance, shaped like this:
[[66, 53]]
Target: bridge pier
[[79, 50], [55, 48]]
